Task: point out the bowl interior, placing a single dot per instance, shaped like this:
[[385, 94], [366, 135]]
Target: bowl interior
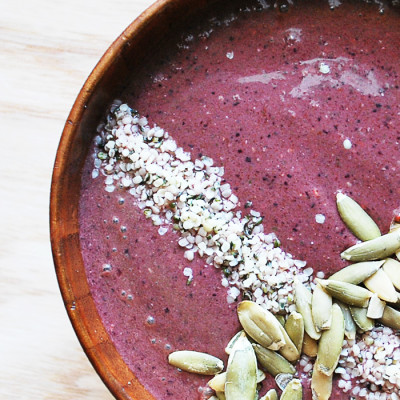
[[117, 75]]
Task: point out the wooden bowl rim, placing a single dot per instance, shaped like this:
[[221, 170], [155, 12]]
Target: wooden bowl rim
[[98, 351]]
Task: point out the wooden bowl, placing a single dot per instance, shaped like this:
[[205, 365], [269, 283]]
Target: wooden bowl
[[130, 51]]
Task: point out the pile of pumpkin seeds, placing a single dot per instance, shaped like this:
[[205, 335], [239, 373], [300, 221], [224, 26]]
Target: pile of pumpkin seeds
[[350, 301], [264, 341], [367, 288]]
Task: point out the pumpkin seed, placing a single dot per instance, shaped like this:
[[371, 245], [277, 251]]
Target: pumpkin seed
[[261, 325], [260, 375], [330, 343], [218, 382], [232, 342], [282, 380], [346, 292], [272, 362], [270, 395], [392, 269], [321, 306], [375, 307], [391, 318], [281, 319], [220, 395], [293, 391], [349, 324], [241, 373], [375, 249], [393, 226], [356, 219], [360, 318], [196, 362], [294, 327], [357, 273], [303, 298], [321, 385], [310, 346], [381, 284], [288, 350]]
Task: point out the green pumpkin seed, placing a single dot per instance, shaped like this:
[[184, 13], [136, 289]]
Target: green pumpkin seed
[[281, 319], [356, 219], [272, 362], [350, 327], [392, 269], [261, 325], [375, 249], [393, 226], [282, 380], [218, 382], [360, 318], [303, 298], [357, 273], [232, 342], [321, 307], [294, 327], [310, 346], [390, 318], [375, 307], [293, 391], [196, 362], [220, 395], [270, 395], [289, 349], [321, 385], [241, 373], [381, 284], [346, 292], [331, 342], [260, 375]]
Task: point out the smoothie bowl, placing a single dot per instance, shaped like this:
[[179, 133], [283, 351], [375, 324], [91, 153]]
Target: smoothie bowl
[[220, 165]]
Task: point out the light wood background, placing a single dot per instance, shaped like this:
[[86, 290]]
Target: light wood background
[[47, 50]]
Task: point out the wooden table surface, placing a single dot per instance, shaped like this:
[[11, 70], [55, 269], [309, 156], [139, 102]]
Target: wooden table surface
[[47, 50]]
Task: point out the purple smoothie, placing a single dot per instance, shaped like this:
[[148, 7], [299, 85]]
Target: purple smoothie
[[296, 106]]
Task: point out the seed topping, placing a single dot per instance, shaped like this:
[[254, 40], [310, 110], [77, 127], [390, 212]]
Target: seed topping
[[191, 198], [356, 219], [196, 362]]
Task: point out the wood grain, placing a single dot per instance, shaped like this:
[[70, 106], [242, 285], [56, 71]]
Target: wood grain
[[47, 50]]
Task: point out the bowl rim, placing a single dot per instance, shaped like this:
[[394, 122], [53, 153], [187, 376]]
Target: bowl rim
[[64, 235]]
